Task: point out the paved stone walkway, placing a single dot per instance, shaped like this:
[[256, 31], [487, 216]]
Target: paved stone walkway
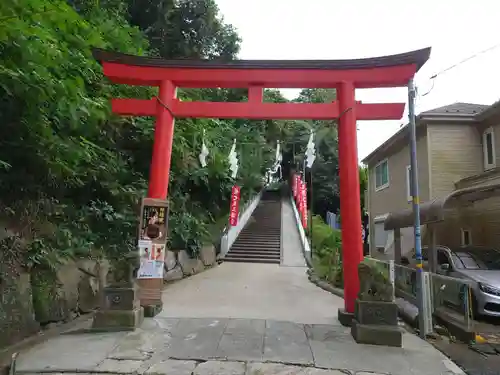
[[178, 346], [238, 319], [251, 291]]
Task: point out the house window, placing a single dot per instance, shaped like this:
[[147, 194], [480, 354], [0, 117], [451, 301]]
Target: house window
[[408, 183], [466, 237], [381, 175], [489, 149]]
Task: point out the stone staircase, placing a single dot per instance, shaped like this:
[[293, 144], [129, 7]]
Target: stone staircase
[[260, 240]]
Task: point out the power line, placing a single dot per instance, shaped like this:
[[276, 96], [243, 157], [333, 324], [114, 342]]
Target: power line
[[453, 66], [465, 60]]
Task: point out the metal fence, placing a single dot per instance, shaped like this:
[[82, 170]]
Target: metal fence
[[386, 269], [452, 299], [406, 283]]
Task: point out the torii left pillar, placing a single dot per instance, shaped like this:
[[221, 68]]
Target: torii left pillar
[[159, 175], [350, 207]]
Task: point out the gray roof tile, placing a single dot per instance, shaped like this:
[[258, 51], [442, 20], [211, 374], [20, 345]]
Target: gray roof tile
[[456, 109]]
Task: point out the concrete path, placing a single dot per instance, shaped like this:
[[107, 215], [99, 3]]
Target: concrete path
[[187, 346], [291, 248], [239, 319], [251, 291]]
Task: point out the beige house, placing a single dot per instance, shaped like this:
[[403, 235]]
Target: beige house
[[458, 147]]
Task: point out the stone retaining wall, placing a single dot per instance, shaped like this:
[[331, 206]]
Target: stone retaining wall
[[43, 298], [186, 266]]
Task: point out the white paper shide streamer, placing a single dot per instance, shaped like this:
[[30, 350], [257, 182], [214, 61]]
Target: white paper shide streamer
[[310, 151], [204, 152], [233, 160]]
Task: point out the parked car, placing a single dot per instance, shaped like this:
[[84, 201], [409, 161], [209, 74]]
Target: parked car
[[480, 266]]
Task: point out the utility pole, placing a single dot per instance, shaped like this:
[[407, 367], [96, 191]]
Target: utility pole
[[416, 206]]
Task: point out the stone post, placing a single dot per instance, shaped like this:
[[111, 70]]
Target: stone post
[[375, 313], [120, 308]]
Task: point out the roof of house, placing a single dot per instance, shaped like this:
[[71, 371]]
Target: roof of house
[[457, 110]]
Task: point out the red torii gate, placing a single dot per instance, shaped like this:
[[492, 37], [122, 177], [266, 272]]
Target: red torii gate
[[343, 75]]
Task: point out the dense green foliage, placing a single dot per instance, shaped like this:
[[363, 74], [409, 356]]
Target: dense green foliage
[[327, 252], [71, 173]]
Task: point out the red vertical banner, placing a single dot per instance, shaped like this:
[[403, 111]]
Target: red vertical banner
[[234, 207], [295, 185], [298, 201], [303, 198]]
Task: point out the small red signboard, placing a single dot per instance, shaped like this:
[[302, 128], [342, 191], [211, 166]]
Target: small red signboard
[[234, 208]]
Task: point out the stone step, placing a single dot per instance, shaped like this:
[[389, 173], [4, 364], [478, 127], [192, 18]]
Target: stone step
[[254, 253], [263, 228], [252, 245], [270, 252], [256, 260], [252, 235], [259, 240], [264, 235], [257, 244]]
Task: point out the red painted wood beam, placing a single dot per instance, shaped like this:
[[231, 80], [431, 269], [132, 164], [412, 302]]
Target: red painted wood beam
[[379, 111], [255, 94], [134, 107], [393, 76], [260, 111]]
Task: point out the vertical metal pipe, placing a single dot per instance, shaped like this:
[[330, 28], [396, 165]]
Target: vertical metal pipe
[[416, 205]]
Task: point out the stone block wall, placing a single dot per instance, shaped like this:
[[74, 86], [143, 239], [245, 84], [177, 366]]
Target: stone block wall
[[185, 266], [41, 297]]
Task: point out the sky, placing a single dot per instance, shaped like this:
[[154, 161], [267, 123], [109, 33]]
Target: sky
[[334, 29]]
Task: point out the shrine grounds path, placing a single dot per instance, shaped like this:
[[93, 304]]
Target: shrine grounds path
[[239, 319]]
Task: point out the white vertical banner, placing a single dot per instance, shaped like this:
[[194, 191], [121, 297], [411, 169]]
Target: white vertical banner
[[233, 160], [310, 151], [204, 152]]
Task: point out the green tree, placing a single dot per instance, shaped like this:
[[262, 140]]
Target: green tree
[[71, 174], [185, 28]]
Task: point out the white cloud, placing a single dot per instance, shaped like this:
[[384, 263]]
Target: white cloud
[[333, 29]]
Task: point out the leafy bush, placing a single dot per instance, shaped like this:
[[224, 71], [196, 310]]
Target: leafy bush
[[327, 252]]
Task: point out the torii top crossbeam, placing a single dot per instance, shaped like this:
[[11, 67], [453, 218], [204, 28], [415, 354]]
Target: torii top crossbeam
[[386, 71], [343, 75], [391, 71]]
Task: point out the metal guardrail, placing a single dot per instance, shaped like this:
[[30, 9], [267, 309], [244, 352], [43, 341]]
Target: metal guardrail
[[386, 269], [452, 297], [406, 283]]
